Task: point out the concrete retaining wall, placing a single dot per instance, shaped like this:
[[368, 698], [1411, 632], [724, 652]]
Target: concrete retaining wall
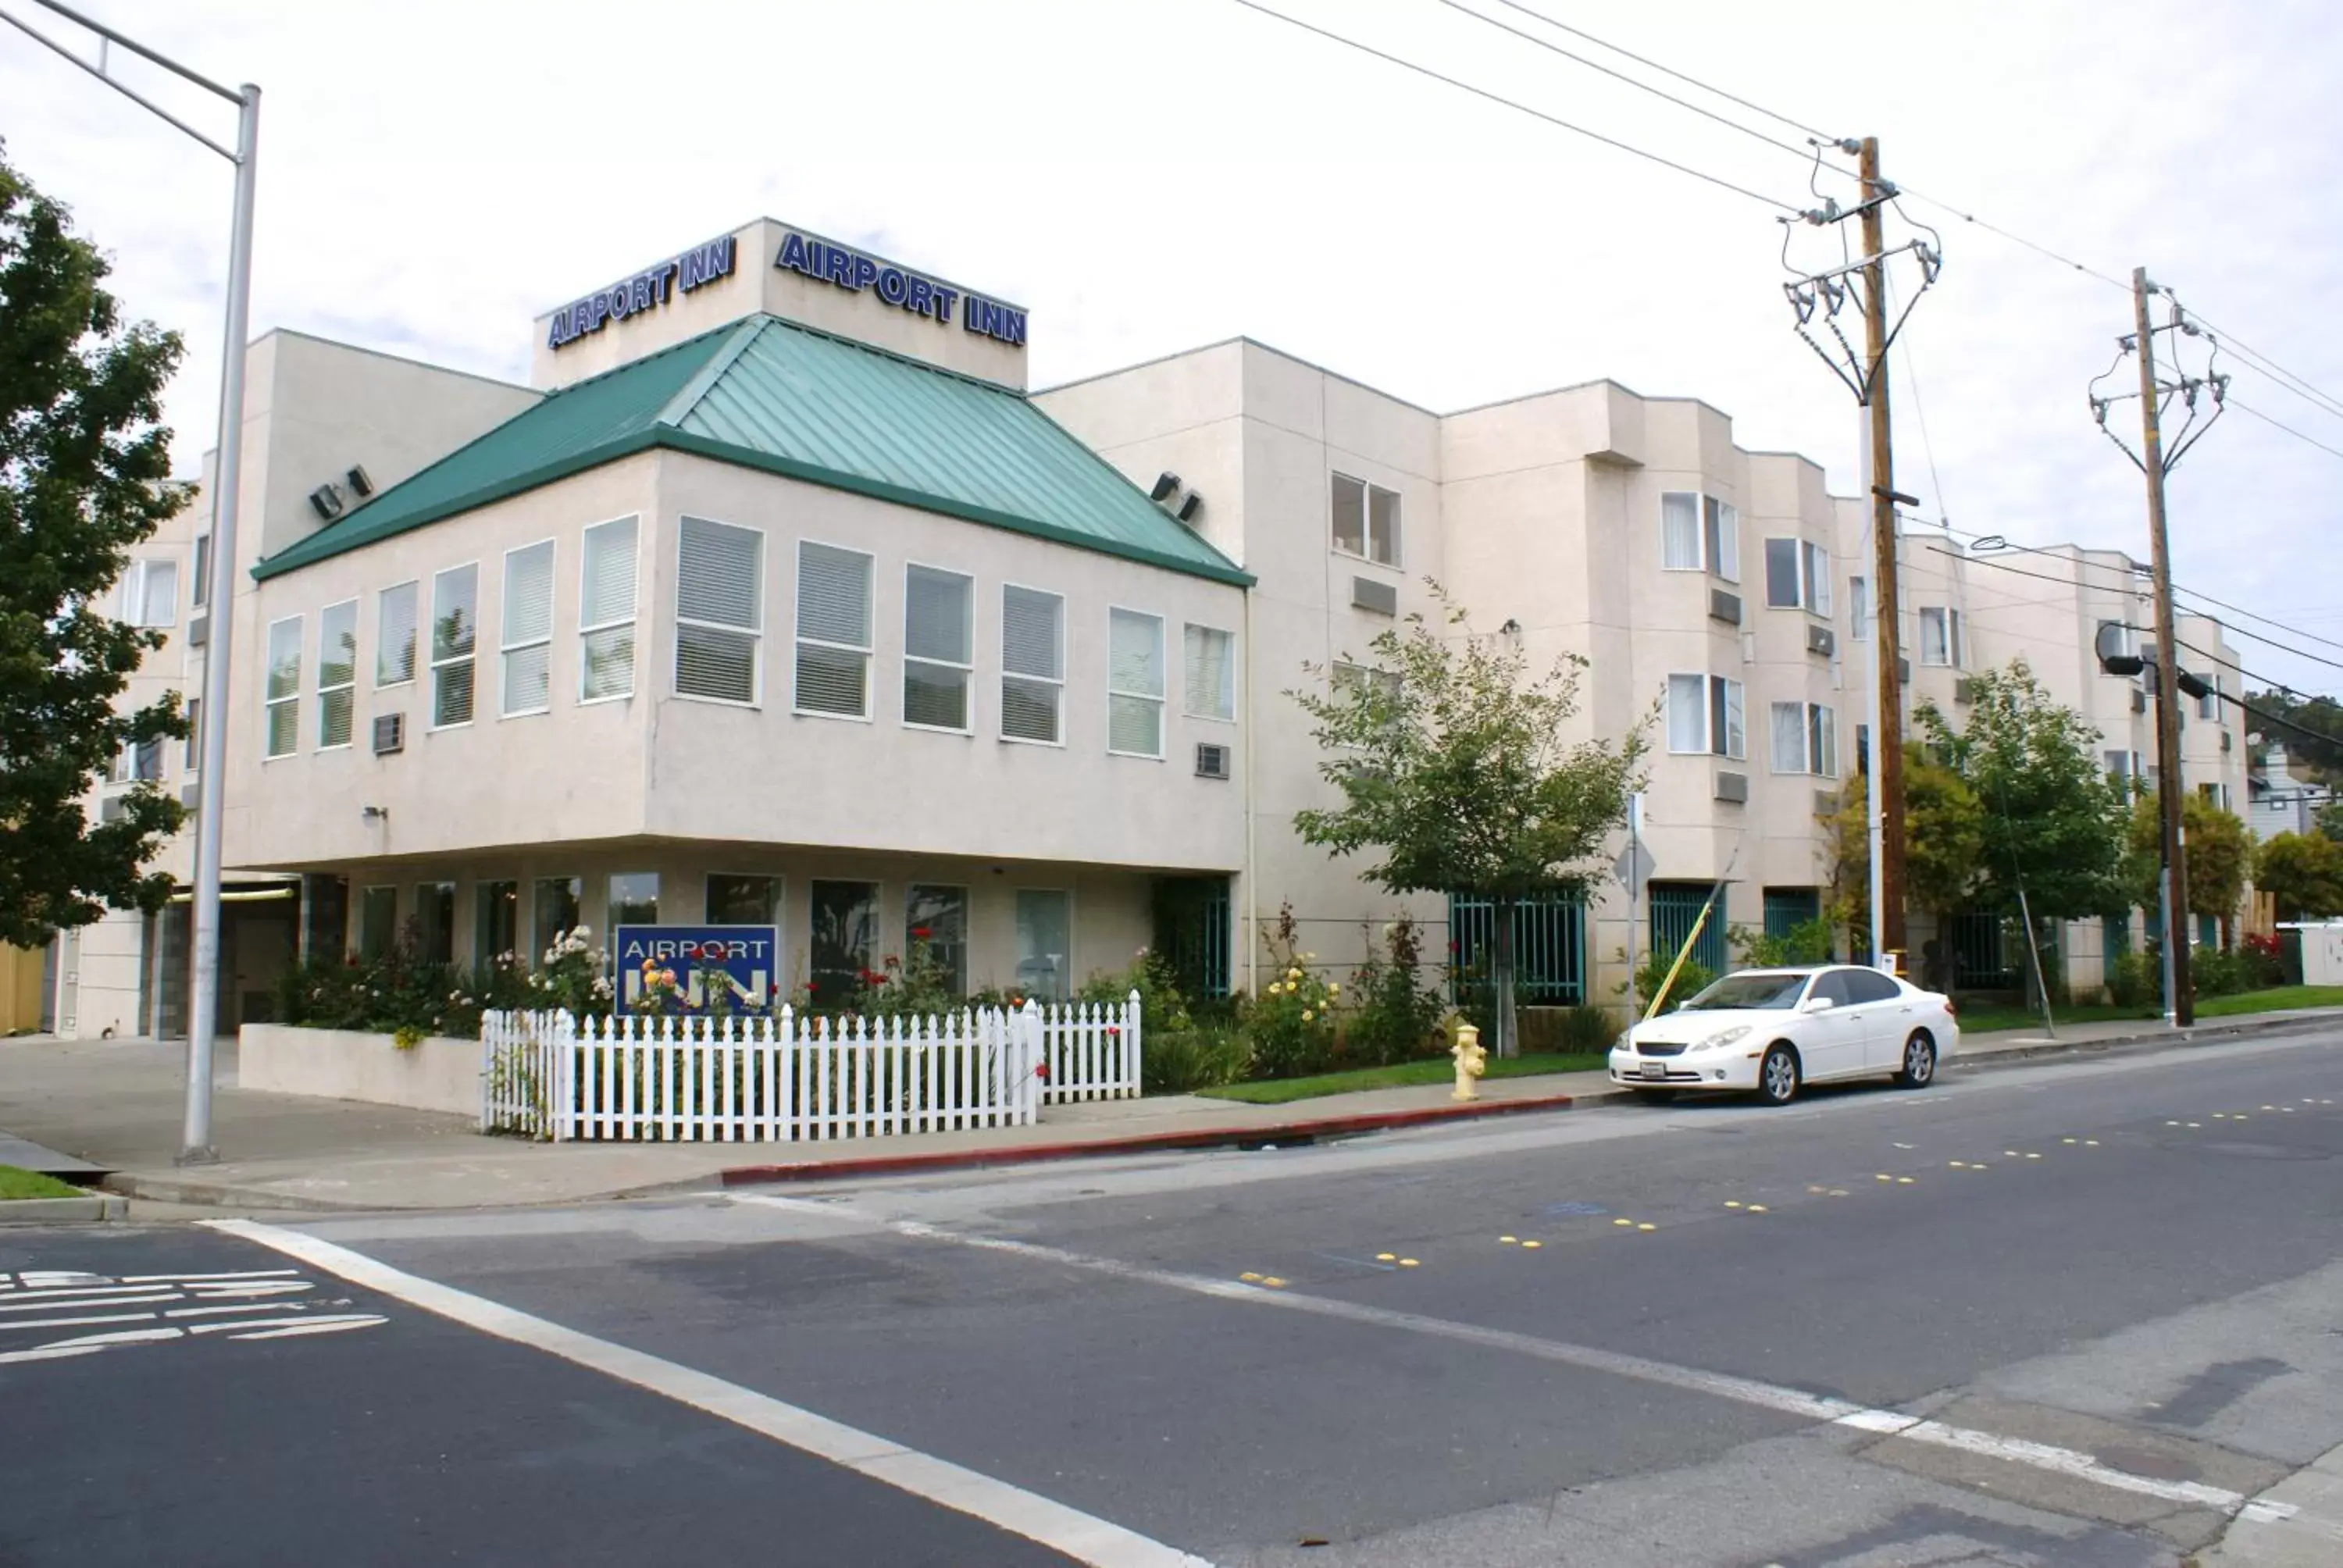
[[435, 1074]]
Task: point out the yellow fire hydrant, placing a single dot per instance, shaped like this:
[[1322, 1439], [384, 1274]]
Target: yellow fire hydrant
[[1471, 1061]]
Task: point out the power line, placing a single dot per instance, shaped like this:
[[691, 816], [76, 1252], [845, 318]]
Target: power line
[[2248, 408], [1803, 155], [2015, 238], [2297, 384], [1669, 70], [1421, 70]]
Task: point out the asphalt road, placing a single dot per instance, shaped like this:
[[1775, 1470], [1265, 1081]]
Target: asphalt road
[[2054, 1315]]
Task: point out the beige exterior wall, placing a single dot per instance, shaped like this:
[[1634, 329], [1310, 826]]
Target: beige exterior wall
[[755, 284]]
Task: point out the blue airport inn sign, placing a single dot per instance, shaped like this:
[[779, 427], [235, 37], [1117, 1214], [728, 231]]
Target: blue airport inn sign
[[706, 961]]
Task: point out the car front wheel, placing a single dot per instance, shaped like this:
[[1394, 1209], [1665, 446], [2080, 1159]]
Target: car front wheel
[[1919, 1068], [1778, 1076]]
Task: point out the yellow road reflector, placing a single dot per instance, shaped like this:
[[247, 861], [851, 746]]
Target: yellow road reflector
[[1509, 1241], [2172, 1124], [2066, 1140], [1904, 1181], [1533, 1245], [1818, 1191], [1733, 1202], [1883, 1176], [2090, 1143], [1647, 1227], [1628, 1223], [1407, 1262], [2009, 1154], [1839, 1191], [2269, 1108], [2033, 1156], [1250, 1279], [2196, 1124], [1957, 1164], [1757, 1207], [1386, 1257], [1274, 1282]]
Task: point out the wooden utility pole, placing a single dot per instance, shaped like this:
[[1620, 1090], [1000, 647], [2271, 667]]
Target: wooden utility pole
[[1887, 738], [2169, 785]]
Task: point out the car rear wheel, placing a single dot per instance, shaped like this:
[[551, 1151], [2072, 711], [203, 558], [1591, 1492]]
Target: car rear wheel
[[1919, 1068], [1778, 1075]]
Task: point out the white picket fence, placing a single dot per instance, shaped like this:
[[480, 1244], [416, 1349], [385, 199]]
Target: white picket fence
[[785, 1079]]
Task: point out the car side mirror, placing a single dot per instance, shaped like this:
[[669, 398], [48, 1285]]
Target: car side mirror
[[1817, 1004]]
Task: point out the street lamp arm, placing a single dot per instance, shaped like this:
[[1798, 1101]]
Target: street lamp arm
[[135, 96], [142, 51]]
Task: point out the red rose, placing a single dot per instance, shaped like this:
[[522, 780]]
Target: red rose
[[1042, 1071]]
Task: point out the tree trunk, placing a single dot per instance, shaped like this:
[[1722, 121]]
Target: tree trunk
[[1508, 1041]]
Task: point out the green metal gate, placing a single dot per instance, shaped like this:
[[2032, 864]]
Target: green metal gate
[[1675, 905], [1549, 948], [1984, 958], [1787, 908], [1192, 929]]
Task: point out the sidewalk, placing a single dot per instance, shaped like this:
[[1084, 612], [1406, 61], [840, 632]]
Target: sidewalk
[[118, 1104]]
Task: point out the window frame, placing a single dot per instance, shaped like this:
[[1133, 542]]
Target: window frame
[[781, 900], [506, 647], [870, 650], [1720, 522], [366, 896], [1859, 607], [1160, 697], [199, 562], [347, 689], [1366, 552], [137, 585], [436, 664], [611, 881], [1949, 624], [967, 672], [1723, 692], [483, 894], [1230, 668], [414, 634], [1057, 682], [269, 701], [1814, 577], [191, 761], [633, 619], [1701, 704], [1699, 531], [873, 956], [967, 924], [756, 635]]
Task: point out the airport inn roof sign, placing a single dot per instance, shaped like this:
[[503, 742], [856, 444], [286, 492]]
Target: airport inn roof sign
[[645, 291]]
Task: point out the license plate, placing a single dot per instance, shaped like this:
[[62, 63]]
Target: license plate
[[1655, 1070]]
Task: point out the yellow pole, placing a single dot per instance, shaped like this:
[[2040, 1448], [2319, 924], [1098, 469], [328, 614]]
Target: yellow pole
[[1677, 967]]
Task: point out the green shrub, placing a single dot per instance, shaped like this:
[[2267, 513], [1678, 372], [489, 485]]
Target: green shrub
[[2133, 980], [1396, 1018], [1694, 978], [1205, 1057], [2217, 973], [1807, 943], [1290, 1024], [1162, 1009], [1585, 1031]]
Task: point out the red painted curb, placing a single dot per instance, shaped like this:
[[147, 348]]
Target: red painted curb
[[1142, 1143]]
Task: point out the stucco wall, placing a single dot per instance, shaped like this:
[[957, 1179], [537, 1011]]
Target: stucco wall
[[433, 1074]]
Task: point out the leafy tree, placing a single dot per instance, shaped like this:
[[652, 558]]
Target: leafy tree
[[1452, 770], [2312, 729], [2331, 821], [2052, 823], [2303, 873], [84, 475], [2220, 855], [1944, 832]]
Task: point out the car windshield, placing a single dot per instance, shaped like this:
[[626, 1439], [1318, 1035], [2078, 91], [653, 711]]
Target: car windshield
[[1749, 990]]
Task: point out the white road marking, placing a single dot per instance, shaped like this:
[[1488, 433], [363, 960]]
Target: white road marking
[[1082, 1536], [238, 1274], [236, 1307], [116, 1298], [1720, 1386], [87, 1344], [284, 1331], [77, 1322]]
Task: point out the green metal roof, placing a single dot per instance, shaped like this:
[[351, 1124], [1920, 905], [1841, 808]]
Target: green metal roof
[[769, 394]]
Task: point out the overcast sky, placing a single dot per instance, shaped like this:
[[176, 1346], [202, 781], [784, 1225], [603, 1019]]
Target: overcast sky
[[1147, 176]]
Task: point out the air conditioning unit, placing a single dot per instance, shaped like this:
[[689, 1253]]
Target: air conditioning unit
[[109, 809], [191, 795], [1820, 639], [1964, 690], [389, 733], [1826, 802], [1211, 761], [2229, 741], [2138, 700], [199, 630], [1724, 607], [1903, 672], [1368, 593], [1732, 787]]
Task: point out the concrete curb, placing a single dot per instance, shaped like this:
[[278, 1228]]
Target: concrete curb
[[1279, 1132], [96, 1208], [213, 1195]]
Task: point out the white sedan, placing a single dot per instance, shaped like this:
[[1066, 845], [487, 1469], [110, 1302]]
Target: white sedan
[[1771, 1030]]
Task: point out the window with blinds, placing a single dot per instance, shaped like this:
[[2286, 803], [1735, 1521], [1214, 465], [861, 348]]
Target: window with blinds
[[606, 611], [338, 672], [150, 593], [1134, 683], [527, 629], [394, 652], [1806, 738], [1706, 713], [939, 648], [1210, 669], [834, 619], [719, 614], [1032, 665], [455, 635], [283, 691]]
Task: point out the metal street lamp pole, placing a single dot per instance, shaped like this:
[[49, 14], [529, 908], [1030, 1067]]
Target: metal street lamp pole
[[203, 985]]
